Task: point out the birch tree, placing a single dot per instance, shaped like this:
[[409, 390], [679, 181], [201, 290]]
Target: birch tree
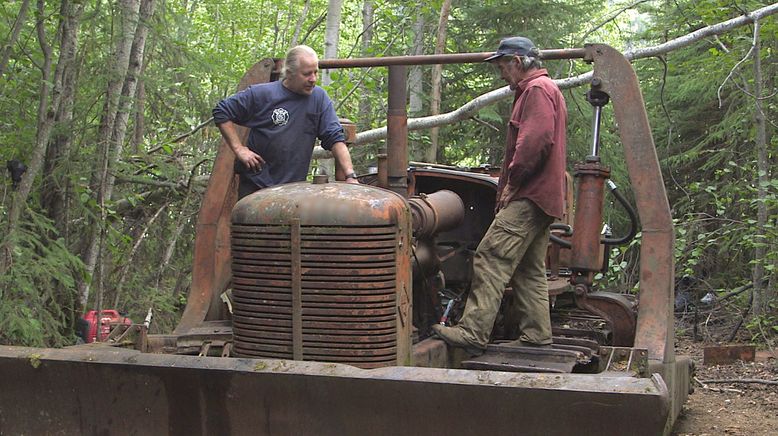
[[437, 73], [101, 181], [7, 49], [331, 35]]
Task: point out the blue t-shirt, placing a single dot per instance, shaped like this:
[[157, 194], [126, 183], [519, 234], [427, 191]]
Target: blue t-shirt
[[283, 127]]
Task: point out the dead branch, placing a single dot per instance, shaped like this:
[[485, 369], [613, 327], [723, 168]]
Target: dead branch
[[705, 386], [740, 380], [469, 108], [182, 136], [737, 65]]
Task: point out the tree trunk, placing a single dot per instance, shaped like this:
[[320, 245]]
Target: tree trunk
[[118, 72], [56, 183], [5, 53], [761, 302], [139, 126], [416, 85], [365, 109], [415, 75], [300, 21], [437, 73], [331, 35]]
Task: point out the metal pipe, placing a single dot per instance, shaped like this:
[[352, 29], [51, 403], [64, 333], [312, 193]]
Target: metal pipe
[[383, 169], [397, 131], [596, 130], [456, 58]]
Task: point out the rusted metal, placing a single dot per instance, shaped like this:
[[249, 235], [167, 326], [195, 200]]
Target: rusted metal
[[586, 253], [317, 275], [726, 354], [397, 131], [349, 130], [507, 357], [297, 290], [135, 393], [625, 359], [616, 309], [614, 75], [383, 170], [432, 213], [211, 265], [441, 59]]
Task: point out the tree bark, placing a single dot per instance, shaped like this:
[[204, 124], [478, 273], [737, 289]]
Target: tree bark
[[331, 35], [139, 125], [300, 21], [5, 53], [56, 183], [416, 85], [415, 73], [437, 74], [365, 108], [761, 302]]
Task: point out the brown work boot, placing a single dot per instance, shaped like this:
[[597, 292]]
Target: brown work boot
[[453, 336]]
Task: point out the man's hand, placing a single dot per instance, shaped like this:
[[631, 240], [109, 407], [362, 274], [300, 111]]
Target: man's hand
[[352, 178], [508, 192], [251, 160]]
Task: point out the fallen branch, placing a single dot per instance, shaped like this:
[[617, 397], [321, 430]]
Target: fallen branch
[[705, 386], [740, 380]]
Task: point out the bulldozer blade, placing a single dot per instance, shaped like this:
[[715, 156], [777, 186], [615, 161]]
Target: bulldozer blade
[[105, 390]]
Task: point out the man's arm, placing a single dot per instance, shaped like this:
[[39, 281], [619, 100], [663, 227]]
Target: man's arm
[[250, 159], [343, 159]]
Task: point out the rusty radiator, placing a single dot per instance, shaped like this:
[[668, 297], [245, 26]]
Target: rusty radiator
[[320, 272]]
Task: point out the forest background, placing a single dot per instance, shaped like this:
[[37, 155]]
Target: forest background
[[106, 105]]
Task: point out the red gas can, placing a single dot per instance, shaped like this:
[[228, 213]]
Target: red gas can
[[108, 319]]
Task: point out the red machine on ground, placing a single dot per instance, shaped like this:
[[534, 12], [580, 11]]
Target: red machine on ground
[[108, 319]]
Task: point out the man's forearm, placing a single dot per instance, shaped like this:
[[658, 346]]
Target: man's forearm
[[230, 135], [343, 159]]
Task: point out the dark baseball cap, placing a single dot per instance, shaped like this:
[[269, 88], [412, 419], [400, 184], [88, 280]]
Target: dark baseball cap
[[516, 45]]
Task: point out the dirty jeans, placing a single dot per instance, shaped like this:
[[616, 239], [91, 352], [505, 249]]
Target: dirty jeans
[[513, 251]]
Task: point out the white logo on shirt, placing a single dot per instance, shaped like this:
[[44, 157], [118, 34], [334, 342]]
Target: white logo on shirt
[[280, 116]]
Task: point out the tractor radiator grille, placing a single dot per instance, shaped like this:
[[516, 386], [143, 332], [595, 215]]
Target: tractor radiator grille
[[315, 293]]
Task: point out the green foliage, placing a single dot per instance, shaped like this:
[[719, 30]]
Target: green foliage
[[764, 328], [38, 293], [198, 51]]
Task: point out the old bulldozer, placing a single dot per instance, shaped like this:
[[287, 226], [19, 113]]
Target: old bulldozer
[[311, 305]]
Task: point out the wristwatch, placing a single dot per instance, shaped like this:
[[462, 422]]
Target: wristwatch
[[351, 175]]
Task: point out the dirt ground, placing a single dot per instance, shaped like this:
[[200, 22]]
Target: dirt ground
[[729, 408]]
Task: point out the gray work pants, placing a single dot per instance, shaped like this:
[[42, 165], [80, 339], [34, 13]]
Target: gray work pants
[[513, 251]]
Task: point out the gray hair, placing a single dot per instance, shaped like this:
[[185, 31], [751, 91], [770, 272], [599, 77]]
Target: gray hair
[[292, 62], [533, 62]]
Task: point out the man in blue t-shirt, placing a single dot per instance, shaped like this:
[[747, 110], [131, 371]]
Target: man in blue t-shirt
[[285, 118]]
